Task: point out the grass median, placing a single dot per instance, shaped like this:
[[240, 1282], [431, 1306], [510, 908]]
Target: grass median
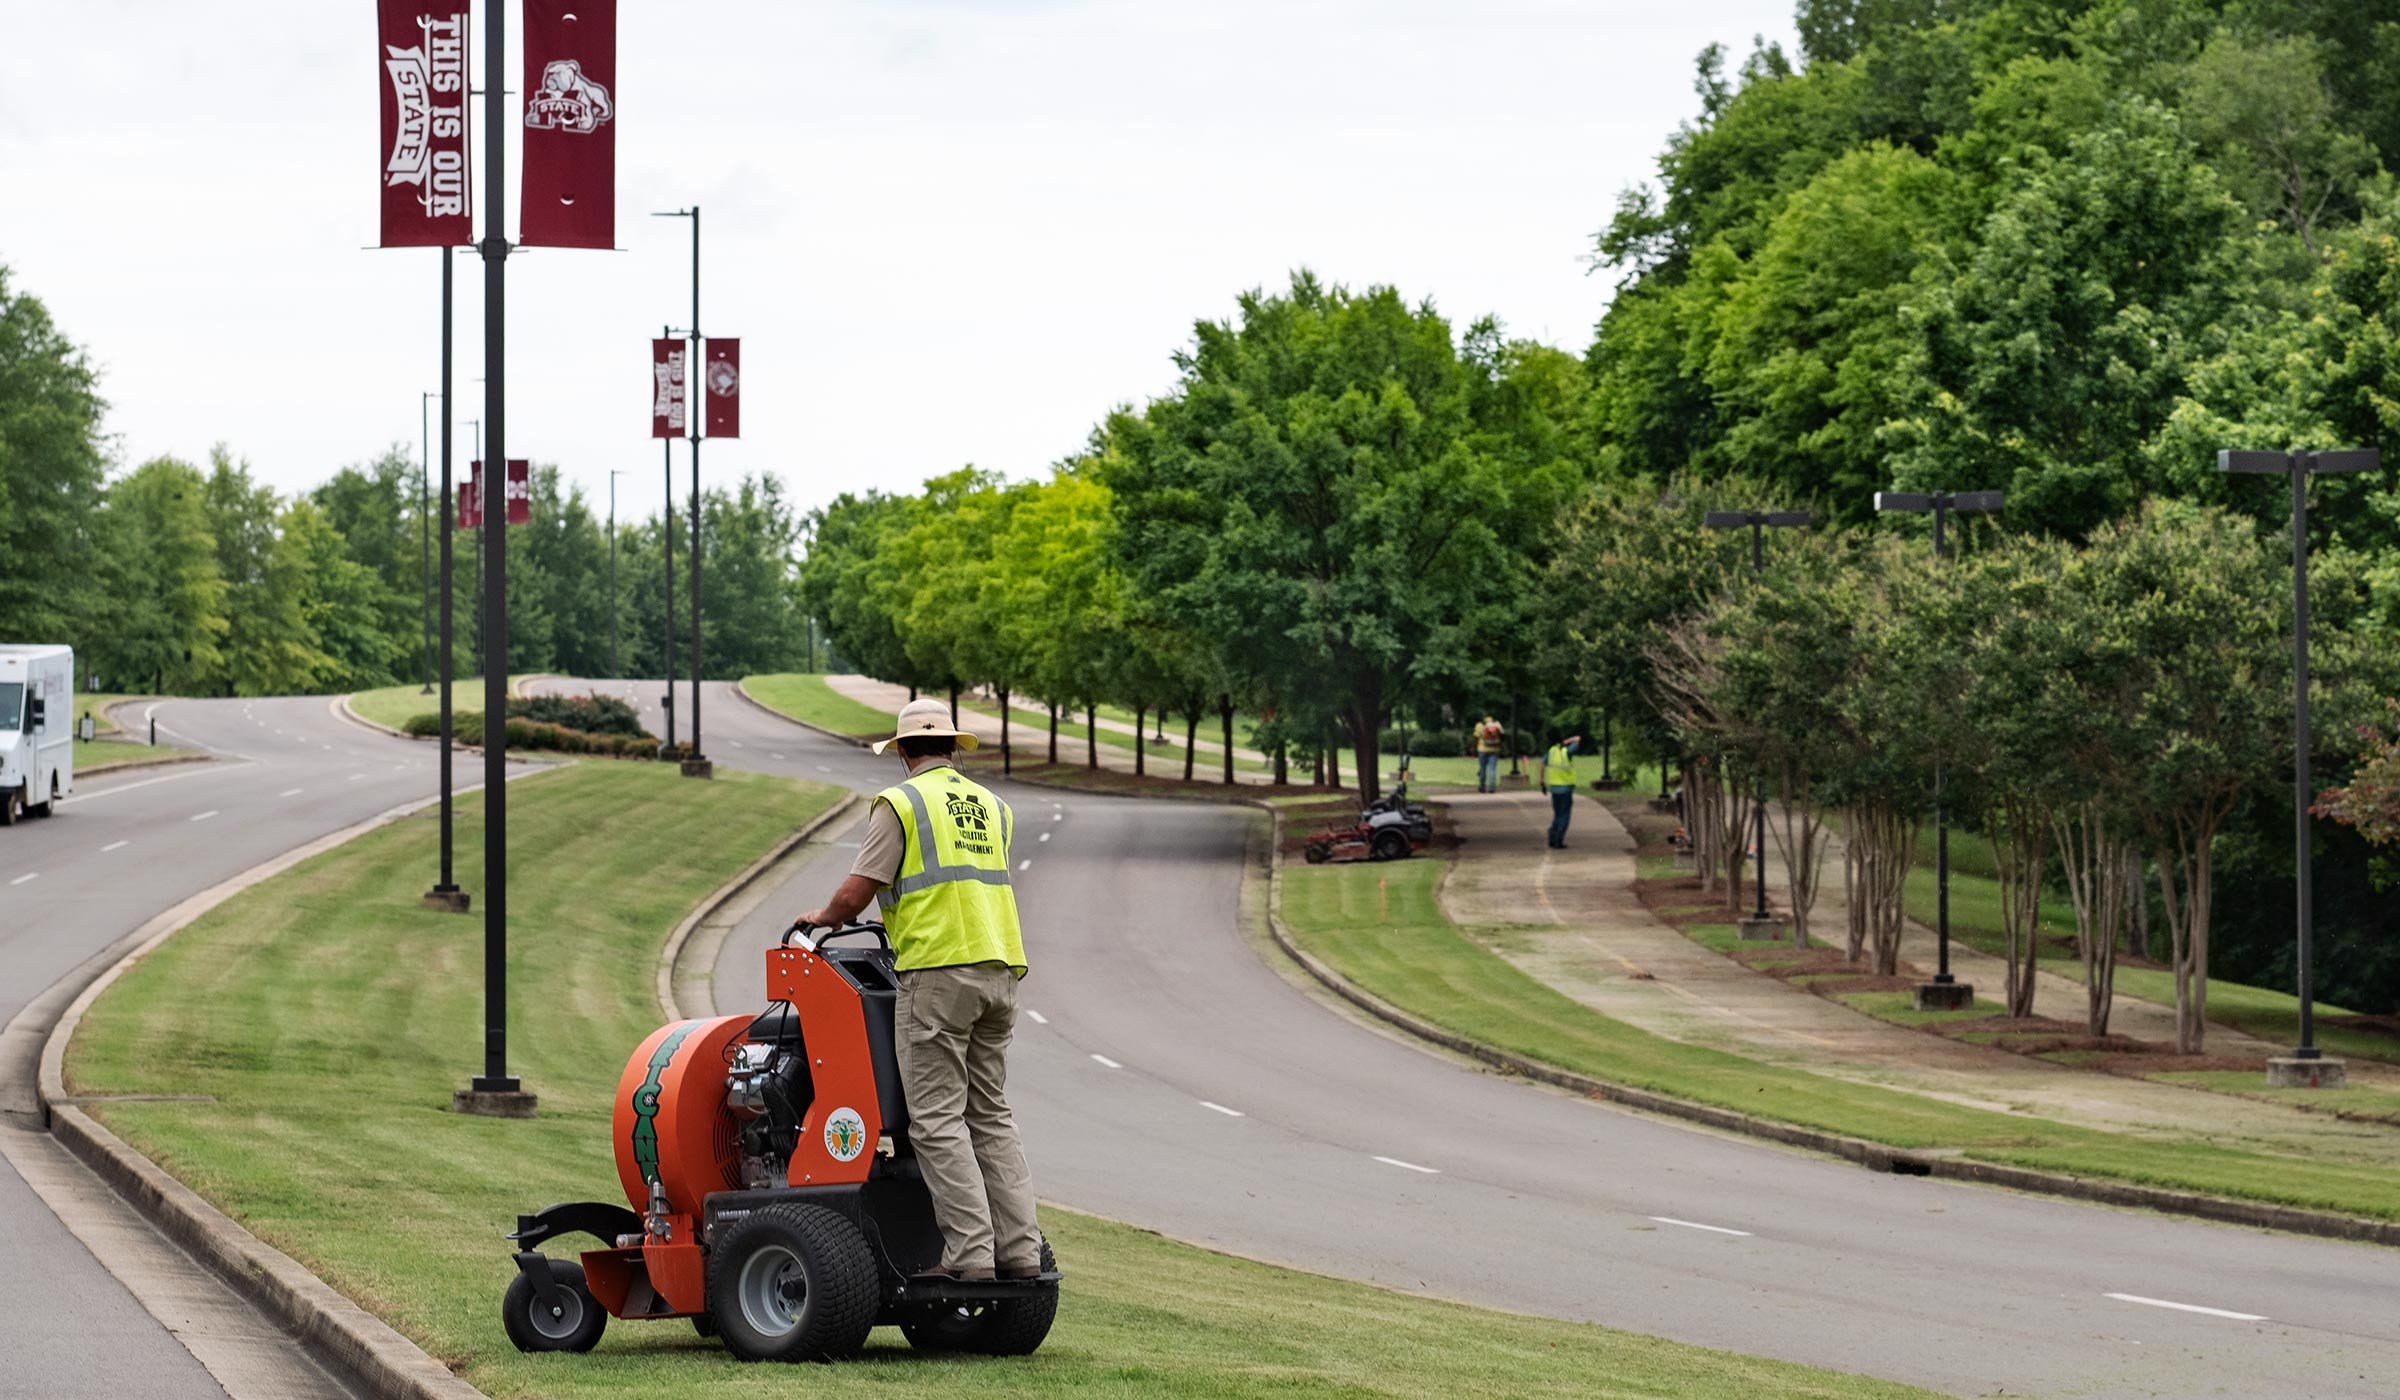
[[326, 1018], [1381, 926], [395, 705], [804, 696]]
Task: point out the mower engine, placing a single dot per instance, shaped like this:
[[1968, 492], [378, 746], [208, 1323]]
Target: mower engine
[[772, 1194]]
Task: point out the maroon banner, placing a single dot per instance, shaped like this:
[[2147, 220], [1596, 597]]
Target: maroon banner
[[519, 490], [724, 383], [670, 404], [570, 180], [470, 498], [422, 55]]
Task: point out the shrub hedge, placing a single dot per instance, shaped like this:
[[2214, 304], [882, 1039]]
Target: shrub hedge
[[467, 727]]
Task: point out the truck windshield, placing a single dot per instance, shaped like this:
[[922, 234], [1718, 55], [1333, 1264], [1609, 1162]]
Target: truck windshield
[[12, 695]]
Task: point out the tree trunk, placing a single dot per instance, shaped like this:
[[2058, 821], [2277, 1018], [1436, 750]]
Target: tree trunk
[[1005, 768], [2097, 866], [1283, 764], [1735, 841], [1225, 712], [1333, 758], [1366, 707], [2020, 846], [954, 704], [1091, 736], [1854, 888], [1800, 840], [1053, 729], [1191, 738], [1141, 730]]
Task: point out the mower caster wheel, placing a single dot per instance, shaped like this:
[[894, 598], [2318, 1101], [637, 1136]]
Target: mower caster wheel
[[1316, 853], [572, 1323], [1011, 1327], [1391, 845], [704, 1324], [793, 1283]]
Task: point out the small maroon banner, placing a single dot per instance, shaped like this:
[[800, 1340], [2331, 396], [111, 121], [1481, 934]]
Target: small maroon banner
[[470, 498], [519, 487], [421, 51], [724, 382], [670, 404], [570, 177]]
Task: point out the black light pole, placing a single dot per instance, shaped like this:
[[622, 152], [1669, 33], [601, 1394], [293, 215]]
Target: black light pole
[[1757, 522], [425, 490], [1947, 992], [495, 1091], [695, 762], [666, 534], [477, 425], [614, 671], [2307, 1065], [445, 893]]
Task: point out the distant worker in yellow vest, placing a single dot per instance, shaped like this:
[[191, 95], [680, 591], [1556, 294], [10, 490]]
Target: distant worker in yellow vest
[[1487, 755], [936, 858], [1558, 775]]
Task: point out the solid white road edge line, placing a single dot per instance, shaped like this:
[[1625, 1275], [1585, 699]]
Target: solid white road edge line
[[1038, 1018], [1409, 1166], [1696, 1225], [194, 772], [1220, 1108], [1107, 1063], [2184, 1307]]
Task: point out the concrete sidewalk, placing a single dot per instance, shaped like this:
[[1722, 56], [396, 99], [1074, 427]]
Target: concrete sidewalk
[[1570, 919]]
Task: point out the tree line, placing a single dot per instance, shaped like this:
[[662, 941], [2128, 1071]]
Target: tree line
[[175, 578]]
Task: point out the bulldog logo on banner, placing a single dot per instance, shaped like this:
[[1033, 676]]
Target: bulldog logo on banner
[[570, 175], [517, 488], [423, 54], [724, 388]]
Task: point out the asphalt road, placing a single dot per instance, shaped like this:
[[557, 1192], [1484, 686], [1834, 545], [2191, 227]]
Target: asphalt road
[[1167, 1075], [120, 851]]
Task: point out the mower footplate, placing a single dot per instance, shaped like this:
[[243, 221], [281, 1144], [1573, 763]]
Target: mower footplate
[[936, 1288]]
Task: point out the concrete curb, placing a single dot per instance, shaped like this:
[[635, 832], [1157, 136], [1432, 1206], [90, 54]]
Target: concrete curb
[[852, 740], [342, 710], [366, 1349], [672, 953], [1874, 1156], [136, 765]]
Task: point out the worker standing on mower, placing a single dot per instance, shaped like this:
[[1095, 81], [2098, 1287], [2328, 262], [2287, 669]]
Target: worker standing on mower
[[936, 858], [1558, 775]]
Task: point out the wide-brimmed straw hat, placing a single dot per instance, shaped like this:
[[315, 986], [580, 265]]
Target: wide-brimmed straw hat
[[927, 718]]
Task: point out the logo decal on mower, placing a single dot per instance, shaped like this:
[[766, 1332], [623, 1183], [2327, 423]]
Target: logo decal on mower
[[845, 1134], [645, 1103]]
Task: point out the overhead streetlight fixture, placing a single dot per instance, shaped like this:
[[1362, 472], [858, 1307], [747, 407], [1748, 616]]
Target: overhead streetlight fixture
[[1944, 992], [1759, 924], [2306, 1066]]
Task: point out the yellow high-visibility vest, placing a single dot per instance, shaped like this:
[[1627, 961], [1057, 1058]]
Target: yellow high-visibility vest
[[1561, 766], [951, 903]]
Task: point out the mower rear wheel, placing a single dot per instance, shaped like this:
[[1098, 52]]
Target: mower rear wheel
[[1391, 845], [573, 1321], [1013, 1327], [1317, 852], [792, 1283]]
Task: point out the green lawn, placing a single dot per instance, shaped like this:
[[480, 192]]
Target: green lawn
[[99, 754], [395, 705], [805, 697], [328, 1017], [1419, 961]]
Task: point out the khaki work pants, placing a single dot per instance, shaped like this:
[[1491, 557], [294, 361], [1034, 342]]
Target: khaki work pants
[[953, 1028]]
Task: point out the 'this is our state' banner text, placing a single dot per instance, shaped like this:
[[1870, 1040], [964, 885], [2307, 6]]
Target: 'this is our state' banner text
[[724, 384], [470, 498], [670, 404], [570, 179], [421, 56]]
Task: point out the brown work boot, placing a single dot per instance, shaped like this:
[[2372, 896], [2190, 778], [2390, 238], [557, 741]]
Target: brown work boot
[[1020, 1272], [948, 1274]]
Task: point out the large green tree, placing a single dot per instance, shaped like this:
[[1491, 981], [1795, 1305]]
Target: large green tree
[[51, 464]]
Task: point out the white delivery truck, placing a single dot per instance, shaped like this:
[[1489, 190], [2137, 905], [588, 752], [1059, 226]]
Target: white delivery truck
[[37, 729]]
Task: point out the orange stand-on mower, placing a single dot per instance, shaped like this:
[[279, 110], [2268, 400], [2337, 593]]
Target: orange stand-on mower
[[776, 1199]]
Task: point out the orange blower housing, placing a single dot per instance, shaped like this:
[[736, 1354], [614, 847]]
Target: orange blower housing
[[788, 1126]]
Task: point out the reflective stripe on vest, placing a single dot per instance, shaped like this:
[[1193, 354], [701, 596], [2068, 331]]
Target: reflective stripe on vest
[[1562, 767], [951, 904]]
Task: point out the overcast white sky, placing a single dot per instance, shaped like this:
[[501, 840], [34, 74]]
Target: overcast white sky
[[946, 233]]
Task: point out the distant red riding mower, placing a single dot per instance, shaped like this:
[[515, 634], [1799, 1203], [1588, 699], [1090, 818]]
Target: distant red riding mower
[[1391, 828], [776, 1198]]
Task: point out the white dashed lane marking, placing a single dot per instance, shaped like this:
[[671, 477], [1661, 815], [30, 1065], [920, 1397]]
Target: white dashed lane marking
[[776, 756], [2184, 1307], [1409, 1166], [114, 846], [1220, 1108], [289, 792], [21, 879], [204, 816], [1058, 816], [1045, 836], [1038, 1018], [1024, 865], [1107, 1063], [1696, 1225]]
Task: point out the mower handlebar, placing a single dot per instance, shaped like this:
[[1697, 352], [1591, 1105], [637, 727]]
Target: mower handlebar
[[812, 937]]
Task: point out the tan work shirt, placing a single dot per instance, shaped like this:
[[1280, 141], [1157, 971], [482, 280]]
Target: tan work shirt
[[879, 855]]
